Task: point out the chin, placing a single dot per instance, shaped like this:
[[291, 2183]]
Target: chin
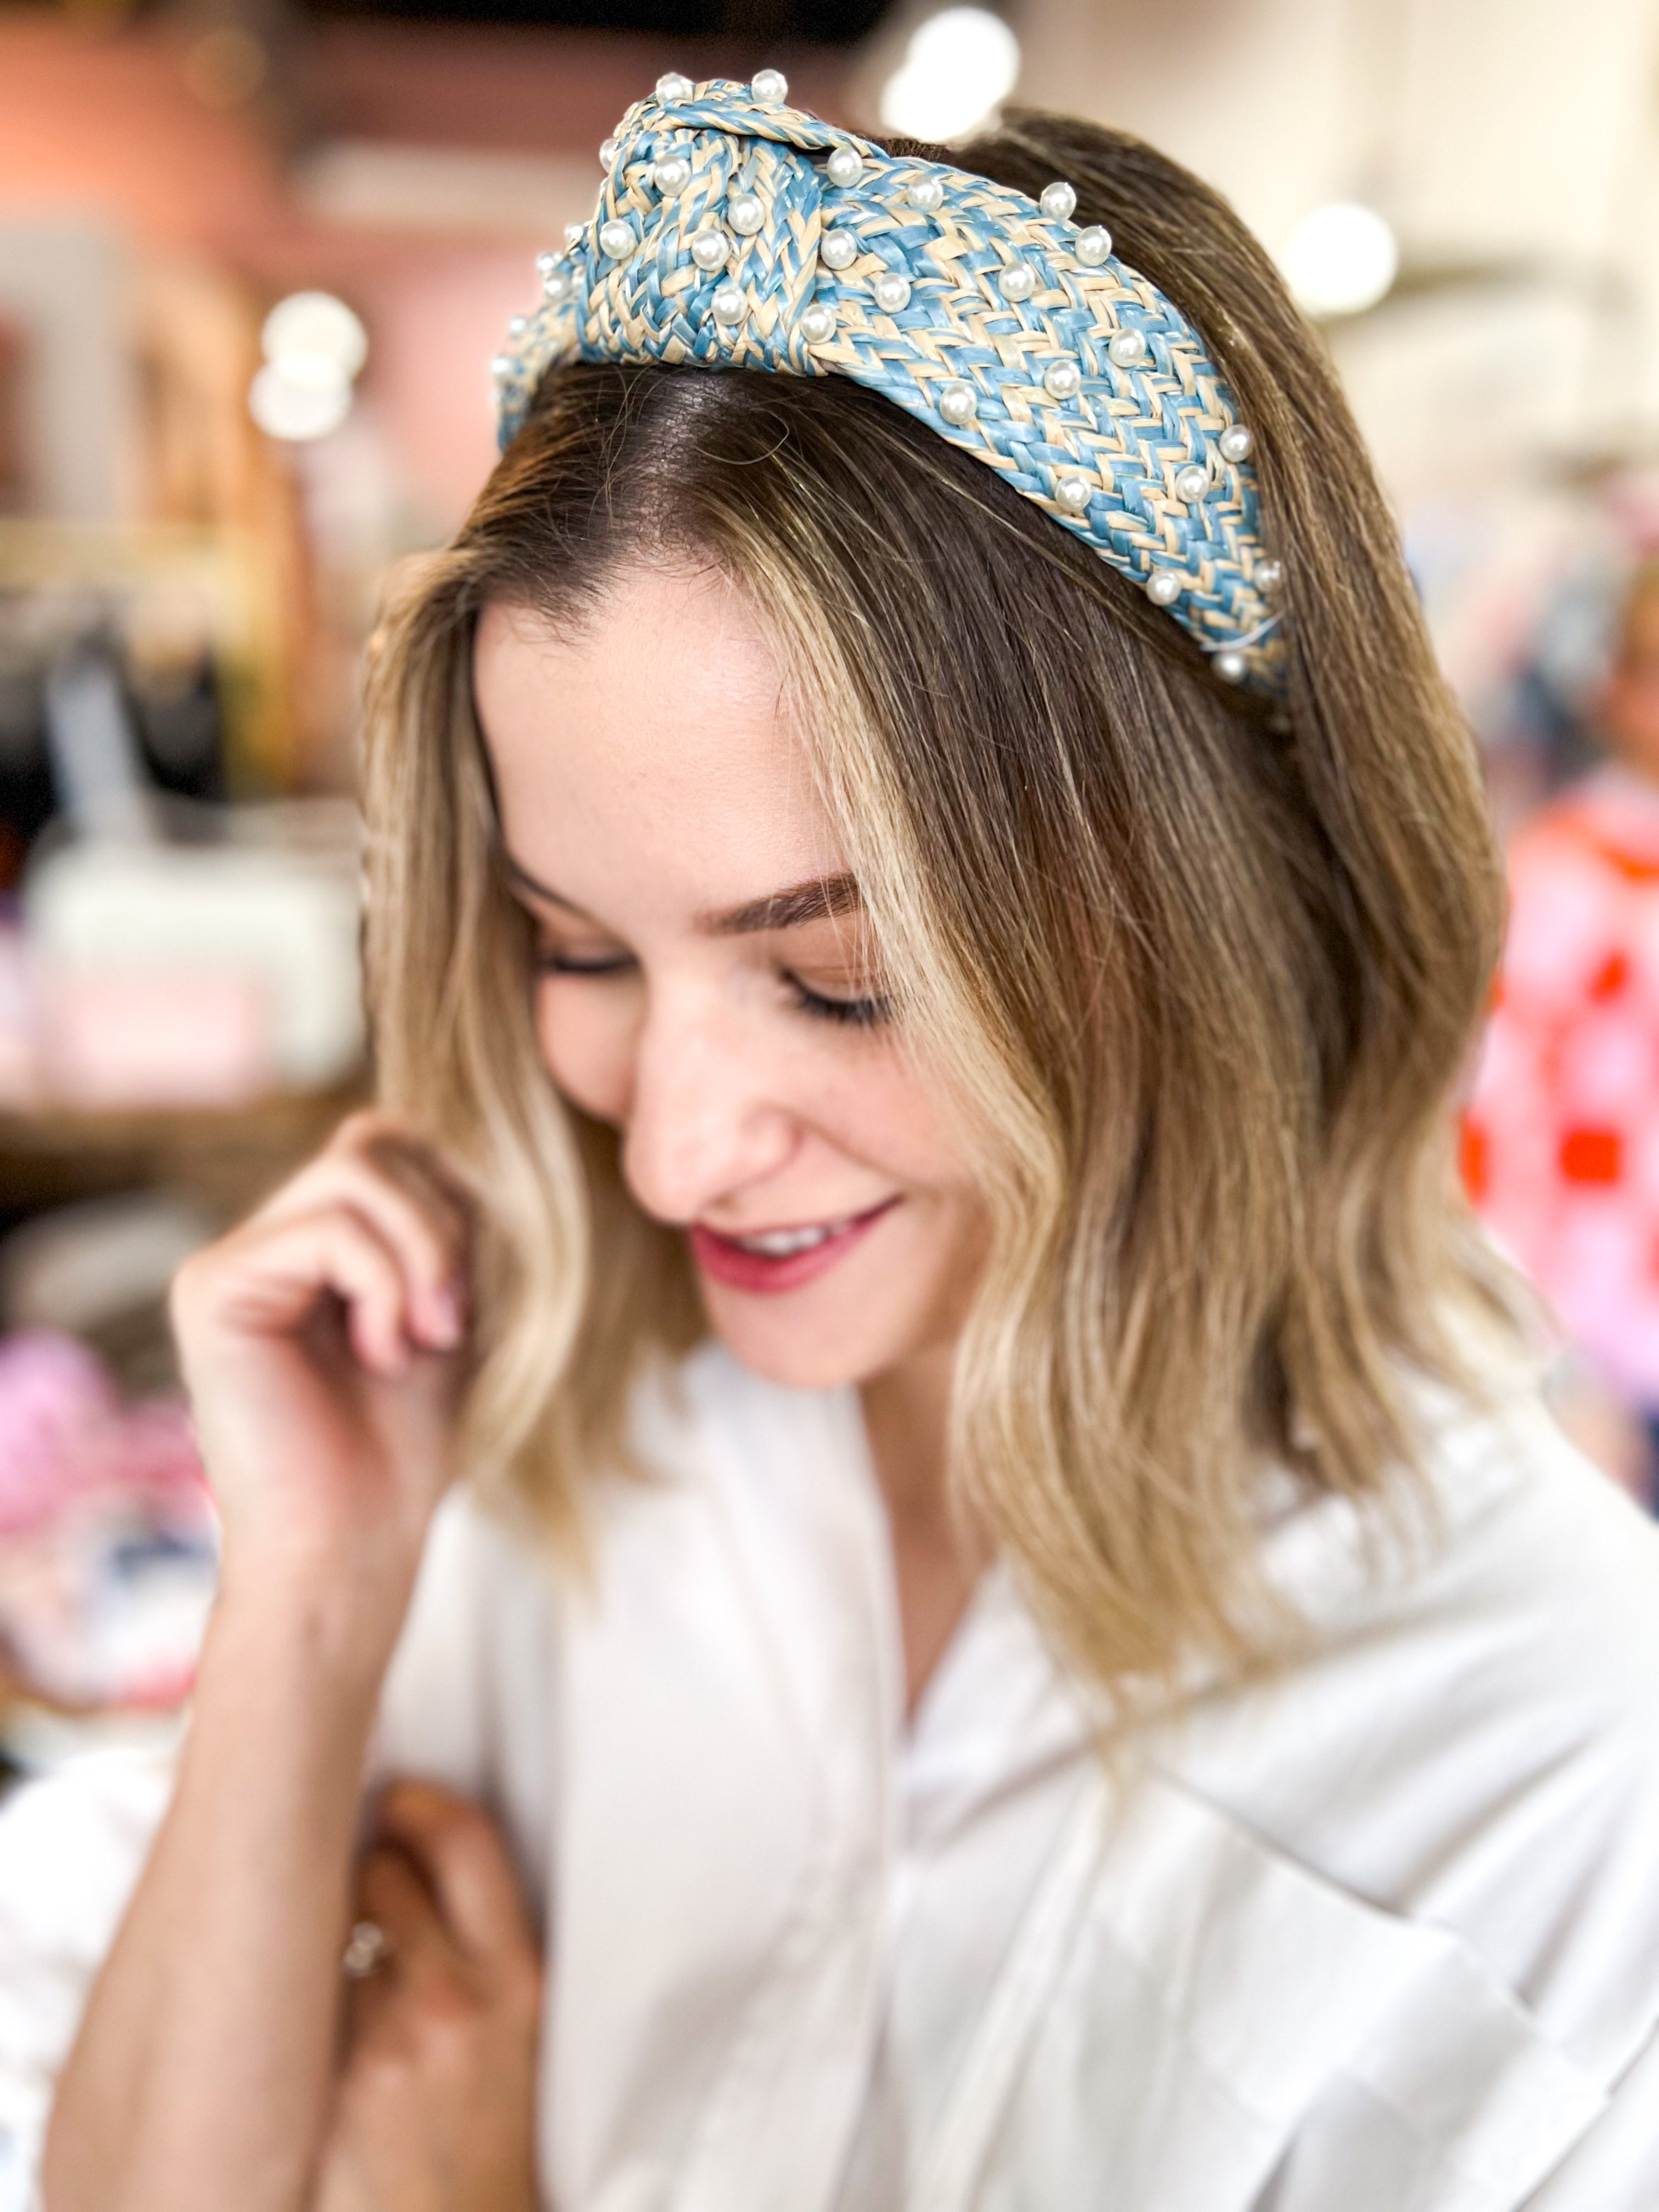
[[791, 1339]]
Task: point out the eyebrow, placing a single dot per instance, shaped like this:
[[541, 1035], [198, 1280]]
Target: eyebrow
[[816, 899]]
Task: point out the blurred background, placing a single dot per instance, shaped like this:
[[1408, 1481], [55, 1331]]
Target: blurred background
[[255, 259]]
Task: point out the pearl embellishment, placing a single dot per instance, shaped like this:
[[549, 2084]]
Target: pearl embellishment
[[607, 152], [728, 304], [926, 193], [616, 237], [501, 367], [1018, 280], [1061, 380], [958, 404], [1075, 493], [1093, 246], [671, 175], [892, 292], [1128, 350], [1192, 483], [1234, 443], [672, 86], [556, 281], [1229, 665], [517, 327], [1164, 588], [817, 322], [769, 87], [709, 249], [575, 233], [1058, 201], [838, 249], [1269, 576], [745, 214], [846, 166]]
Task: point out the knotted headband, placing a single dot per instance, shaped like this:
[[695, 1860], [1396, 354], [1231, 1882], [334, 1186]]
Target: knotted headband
[[734, 232]]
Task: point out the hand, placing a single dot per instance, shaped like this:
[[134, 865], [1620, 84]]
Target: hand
[[321, 1343], [435, 2105]]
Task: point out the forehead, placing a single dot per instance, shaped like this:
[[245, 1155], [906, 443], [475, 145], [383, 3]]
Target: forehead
[[647, 754]]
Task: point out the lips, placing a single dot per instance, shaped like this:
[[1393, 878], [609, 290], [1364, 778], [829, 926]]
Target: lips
[[782, 1259]]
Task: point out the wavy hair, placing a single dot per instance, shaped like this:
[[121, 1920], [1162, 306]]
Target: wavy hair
[[1202, 971]]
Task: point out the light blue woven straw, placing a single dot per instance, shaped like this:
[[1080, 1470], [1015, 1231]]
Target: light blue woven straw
[[1110, 452]]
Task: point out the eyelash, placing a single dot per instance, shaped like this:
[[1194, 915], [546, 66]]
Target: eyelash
[[855, 1013]]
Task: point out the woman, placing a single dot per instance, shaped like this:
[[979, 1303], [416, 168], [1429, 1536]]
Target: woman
[[921, 1058]]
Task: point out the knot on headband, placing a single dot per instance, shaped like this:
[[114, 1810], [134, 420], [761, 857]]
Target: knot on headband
[[734, 232]]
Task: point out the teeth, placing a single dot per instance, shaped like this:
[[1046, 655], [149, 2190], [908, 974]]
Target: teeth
[[781, 1243]]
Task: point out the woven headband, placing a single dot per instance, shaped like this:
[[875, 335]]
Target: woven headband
[[734, 232]]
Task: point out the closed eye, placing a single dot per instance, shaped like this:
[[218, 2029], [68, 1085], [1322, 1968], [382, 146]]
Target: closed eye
[[560, 964]]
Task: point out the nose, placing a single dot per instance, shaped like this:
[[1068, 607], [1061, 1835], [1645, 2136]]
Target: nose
[[704, 1118]]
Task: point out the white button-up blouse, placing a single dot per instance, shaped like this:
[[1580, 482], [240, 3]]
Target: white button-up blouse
[[1378, 1934]]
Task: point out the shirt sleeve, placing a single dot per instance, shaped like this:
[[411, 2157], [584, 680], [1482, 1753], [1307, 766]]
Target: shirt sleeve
[[70, 1851]]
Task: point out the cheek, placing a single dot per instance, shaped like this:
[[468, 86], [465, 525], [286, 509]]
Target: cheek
[[587, 1043]]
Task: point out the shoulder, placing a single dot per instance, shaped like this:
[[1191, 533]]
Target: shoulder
[[1471, 1740]]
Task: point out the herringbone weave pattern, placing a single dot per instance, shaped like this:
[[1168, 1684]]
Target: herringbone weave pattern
[[1116, 445]]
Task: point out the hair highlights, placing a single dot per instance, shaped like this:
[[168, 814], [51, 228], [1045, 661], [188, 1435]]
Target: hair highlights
[[1202, 972]]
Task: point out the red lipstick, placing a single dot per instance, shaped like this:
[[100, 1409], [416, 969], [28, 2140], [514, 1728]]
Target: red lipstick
[[744, 1268]]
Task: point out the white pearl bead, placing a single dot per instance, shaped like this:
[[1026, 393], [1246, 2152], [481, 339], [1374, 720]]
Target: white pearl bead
[[817, 322], [607, 152], [892, 292], [1234, 443], [545, 265], [709, 249], [1128, 348], [729, 305], [1093, 246], [1269, 576], [616, 237], [958, 404], [672, 86], [1164, 588], [671, 175], [1229, 665], [770, 87], [846, 166], [501, 367], [1018, 280], [517, 327], [1062, 379], [1074, 494], [1192, 483], [1058, 200], [838, 249], [556, 281], [575, 233], [926, 193], [745, 214]]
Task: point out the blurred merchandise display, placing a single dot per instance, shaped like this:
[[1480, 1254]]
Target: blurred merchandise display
[[107, 1541], [1561, 1140]]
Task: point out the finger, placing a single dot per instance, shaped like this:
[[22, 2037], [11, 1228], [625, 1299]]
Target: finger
[[420, 1953], [429, 1236], [270, 1278], [408, 1154], [459, 1852]]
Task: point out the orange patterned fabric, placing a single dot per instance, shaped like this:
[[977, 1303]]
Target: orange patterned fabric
[[1561, 1140]]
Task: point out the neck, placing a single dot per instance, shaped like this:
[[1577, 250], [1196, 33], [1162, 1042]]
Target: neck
[[906, 1416]]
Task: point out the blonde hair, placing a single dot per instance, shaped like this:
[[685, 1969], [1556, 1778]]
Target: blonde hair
[[1202, 971]]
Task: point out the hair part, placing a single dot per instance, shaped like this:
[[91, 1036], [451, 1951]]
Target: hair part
[[1202, 972]]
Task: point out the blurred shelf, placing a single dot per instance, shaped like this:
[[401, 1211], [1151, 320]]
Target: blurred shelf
[[226, 1158]]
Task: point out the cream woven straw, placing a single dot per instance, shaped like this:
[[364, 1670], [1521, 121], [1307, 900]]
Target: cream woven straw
[[735, 231]]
